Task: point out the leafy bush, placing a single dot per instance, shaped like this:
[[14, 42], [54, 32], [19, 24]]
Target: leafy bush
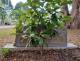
[[41, 18], [5, 52]]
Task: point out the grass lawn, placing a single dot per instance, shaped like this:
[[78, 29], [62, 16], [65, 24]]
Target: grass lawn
[[7, 32], [7, 36]]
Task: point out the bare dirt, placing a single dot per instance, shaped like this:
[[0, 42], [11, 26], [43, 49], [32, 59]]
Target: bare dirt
[[48, 55], [6, 39]]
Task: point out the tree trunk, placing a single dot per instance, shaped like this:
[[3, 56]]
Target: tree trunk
[[75, 24], [2, 21], [65, 10]]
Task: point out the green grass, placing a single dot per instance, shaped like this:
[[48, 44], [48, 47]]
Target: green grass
[[6, 32]]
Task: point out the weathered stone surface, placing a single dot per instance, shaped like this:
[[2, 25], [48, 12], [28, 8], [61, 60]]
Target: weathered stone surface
[[19, 42], [60, 40]]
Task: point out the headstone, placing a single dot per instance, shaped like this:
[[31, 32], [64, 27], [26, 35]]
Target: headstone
[[60, 40], [20, 40]]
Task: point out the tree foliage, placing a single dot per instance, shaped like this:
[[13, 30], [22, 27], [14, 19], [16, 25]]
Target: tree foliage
[[2, 15], [4, 6]]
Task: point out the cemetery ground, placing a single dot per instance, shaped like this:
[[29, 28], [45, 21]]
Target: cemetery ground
[[35, 55], [7, 35]]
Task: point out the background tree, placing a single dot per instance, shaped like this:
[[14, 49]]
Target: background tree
[[18, 5], [7, 4], [64, 7], [5, 7], [75, 24], [2, 15], [65, 11]]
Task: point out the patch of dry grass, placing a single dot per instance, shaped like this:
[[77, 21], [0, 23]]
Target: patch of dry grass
[[7, 36], [73, 36], [6, 32]]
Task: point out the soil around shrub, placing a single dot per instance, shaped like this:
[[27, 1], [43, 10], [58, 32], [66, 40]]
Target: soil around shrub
[[48, 55]]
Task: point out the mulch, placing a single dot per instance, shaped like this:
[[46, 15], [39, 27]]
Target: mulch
[[48, 55]]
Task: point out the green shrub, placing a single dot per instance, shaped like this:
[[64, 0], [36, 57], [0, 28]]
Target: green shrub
[[41, 20], [5, 51]]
